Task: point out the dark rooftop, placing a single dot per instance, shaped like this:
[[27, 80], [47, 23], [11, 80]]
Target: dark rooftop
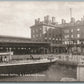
[[11, 39], [14, 39]]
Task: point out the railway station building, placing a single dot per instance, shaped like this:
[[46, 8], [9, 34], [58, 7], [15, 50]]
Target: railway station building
[[23, 46]]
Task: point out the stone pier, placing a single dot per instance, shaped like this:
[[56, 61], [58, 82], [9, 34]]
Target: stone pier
[[80, 73]]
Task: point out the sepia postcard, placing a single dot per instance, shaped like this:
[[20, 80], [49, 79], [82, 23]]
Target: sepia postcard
[[41, 41]]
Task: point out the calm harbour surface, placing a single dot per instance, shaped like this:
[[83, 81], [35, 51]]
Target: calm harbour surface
[[54, 73]]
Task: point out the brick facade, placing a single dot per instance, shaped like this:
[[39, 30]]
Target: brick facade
[[68, 34]]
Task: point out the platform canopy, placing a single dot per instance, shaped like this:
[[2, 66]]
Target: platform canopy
[[12, 41]]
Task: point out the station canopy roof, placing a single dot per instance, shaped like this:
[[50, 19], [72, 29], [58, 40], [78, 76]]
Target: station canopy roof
[[11, 39]]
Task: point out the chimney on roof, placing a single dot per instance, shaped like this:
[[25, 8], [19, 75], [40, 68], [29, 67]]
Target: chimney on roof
[[63, 21], [38, 20], [82, 19], [35, 21], [53, 19], [46, 19], [72, 20]]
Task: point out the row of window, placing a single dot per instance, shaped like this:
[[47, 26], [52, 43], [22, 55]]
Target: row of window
[[53, 41], [45, 30], [15, 48], [72, 36], [66, 36], [72, 42], [36, 35], [36, 30], [77, 30], [67, 30], [52, 38], [52, 34], [40, 35]]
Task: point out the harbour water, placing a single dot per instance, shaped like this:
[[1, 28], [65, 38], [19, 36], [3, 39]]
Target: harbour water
[[54, 73]]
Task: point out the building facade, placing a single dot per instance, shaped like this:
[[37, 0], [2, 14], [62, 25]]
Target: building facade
[[50, 31], [74, 36], [64, 37]]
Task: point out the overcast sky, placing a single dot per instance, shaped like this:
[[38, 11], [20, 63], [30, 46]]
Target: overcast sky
[[17, 17]]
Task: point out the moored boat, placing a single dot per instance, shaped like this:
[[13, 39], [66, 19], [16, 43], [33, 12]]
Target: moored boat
[[27, 66]]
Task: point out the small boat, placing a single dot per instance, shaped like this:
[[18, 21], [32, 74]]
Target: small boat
[[27, 66]]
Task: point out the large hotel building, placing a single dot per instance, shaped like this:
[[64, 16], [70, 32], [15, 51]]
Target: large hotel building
[[63, 38]]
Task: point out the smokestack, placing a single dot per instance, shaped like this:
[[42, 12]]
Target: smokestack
[[38, 20], [47, 17], [70, 12]]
